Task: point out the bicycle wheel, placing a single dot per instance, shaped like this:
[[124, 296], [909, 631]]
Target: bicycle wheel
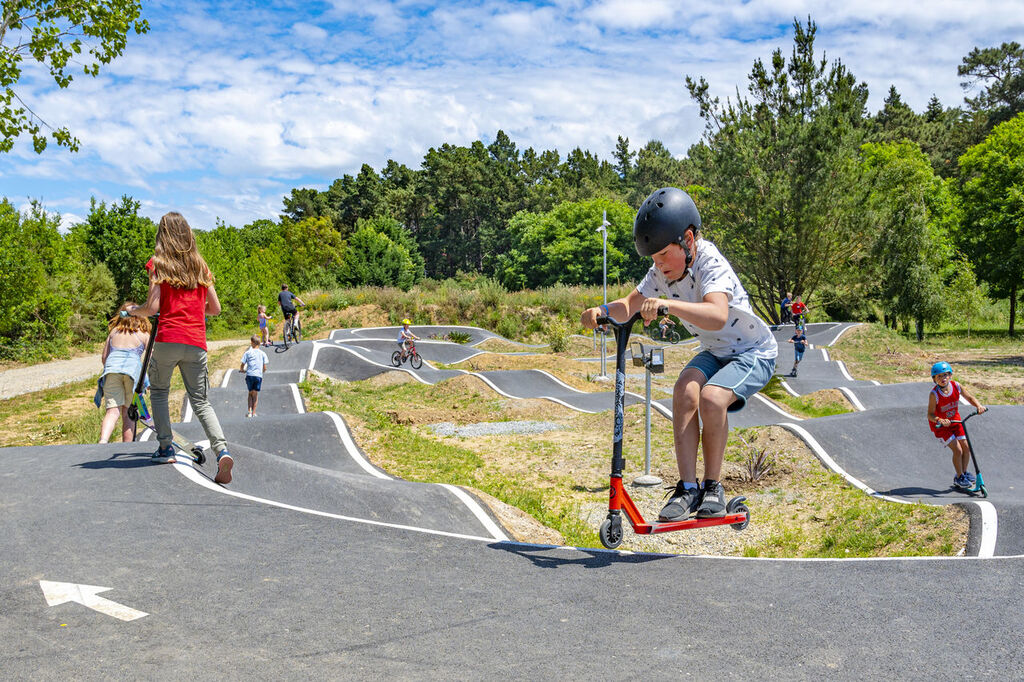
[[297, 331], [396, 358], [674, 337], [415, 360], [287, 332]]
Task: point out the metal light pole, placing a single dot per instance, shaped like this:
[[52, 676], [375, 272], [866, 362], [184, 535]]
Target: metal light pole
[[653, 361], [604, 272]]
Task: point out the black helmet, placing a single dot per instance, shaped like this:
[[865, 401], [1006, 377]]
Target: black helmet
[[663, 219]]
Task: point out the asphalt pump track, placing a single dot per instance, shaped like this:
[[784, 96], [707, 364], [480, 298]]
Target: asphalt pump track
[[315, 562]]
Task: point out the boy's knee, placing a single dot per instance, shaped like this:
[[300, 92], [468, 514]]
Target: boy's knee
[[716, 398], [686, 394]]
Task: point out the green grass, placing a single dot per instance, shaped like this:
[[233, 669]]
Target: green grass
[[855, 525], [416, 457], [803, 406]]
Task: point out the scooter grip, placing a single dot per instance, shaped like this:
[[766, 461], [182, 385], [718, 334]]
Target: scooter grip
[[603, 319]]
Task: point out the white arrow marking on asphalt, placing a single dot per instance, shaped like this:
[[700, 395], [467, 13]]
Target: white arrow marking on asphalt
[[59, 593]]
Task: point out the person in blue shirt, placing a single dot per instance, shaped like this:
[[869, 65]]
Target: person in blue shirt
[[799, 341], [254, 364]]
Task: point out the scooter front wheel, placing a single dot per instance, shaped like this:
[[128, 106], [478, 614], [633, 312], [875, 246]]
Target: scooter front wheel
[[611, 532], [736, 506]]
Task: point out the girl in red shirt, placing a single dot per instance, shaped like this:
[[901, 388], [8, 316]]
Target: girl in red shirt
[[181, 291], [943, 410]]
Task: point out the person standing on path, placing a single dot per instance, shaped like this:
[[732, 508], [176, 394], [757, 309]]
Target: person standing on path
[[181, 291], [122, 364], [254, 364]]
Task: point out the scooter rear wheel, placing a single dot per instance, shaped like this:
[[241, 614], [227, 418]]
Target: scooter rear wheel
[[611, 533]]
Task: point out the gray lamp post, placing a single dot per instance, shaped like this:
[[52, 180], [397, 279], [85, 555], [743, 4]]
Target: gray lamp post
[[604, 272]]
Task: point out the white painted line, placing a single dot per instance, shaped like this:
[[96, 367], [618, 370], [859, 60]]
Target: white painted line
[[479, 513], [227, 376], [819, 560], [857, 404], [186, 470], [300, 408], [842, 368], [834, 466], [841, 332], [788, 388], [661, 408], [989, 525], [989, 529], [316, 351], [558, 381], [302, 375], [824, 353], [876, 383], [352, 449], [775, 407], [187, 417]]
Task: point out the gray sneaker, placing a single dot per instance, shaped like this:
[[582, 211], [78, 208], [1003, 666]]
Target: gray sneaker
[[681, 504], [712, 502]]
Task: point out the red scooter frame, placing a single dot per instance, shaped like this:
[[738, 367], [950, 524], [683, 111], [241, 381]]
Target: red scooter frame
[[737, 514]]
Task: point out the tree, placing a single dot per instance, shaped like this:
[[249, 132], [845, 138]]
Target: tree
[[563, 246], [912, 213], [896, 121], [1001, 71], [655, 168], [55, 33], [779, 172], [35, 306], [965, 296], [373, 259], [623, 158], [122, 240], [992, 235]]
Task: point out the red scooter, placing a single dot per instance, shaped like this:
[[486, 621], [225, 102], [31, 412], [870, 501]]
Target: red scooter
[[737, 514]]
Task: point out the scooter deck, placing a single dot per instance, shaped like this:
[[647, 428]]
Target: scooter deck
[[182, 445], [687, 524]]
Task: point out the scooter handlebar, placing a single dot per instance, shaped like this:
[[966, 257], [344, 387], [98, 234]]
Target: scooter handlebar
[[607, 319], [961, 421]]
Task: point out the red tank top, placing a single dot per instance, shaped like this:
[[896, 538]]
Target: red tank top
[[182, 314], [946, 406]]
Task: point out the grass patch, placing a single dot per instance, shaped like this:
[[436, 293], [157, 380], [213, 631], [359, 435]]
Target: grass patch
[[66, 415], [817, 404], [990, 364], [561, 477]]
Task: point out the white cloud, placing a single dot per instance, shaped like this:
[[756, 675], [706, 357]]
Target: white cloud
[[215, 116]]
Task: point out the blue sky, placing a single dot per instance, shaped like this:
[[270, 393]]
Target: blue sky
[[223, 108]]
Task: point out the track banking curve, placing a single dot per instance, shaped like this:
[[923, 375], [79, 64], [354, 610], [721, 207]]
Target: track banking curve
[[316, 562]]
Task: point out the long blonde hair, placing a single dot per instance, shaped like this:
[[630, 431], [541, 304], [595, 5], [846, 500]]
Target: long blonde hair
[[176, 259], [129, 324]]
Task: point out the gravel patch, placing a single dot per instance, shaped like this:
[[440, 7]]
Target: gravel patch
[[449, 429]]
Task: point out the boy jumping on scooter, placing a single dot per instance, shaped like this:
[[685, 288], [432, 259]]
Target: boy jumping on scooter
[[695, 282], [943, 409]]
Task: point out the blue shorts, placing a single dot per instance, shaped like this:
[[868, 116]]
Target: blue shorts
[[799, 354], [253, 383], [744, 374]]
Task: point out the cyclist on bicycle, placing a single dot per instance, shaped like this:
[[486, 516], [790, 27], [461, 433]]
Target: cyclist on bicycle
[[664, 323], [405, 336], [285, 300]]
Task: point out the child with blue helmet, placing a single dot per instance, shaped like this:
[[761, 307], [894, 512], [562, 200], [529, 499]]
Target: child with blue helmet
[[943, 411]]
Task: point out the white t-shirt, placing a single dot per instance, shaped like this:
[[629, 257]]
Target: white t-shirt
[[254, 359], [710, 272]]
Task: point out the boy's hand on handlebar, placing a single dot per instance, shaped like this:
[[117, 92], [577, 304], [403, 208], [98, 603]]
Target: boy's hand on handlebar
[[589, 317], [651, 308], [943, 422], [982, 409]]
